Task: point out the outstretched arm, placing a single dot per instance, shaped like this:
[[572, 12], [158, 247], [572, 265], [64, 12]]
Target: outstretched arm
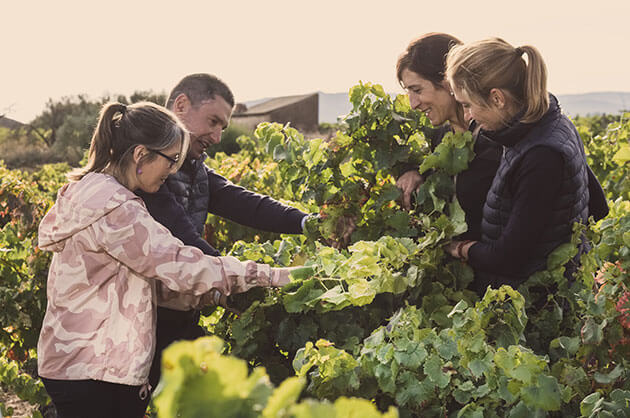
[[251, 209], [136, 240]]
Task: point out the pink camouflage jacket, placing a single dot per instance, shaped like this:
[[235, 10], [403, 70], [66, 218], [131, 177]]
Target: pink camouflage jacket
[[112, 264]]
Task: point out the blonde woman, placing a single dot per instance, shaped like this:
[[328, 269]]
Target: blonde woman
[[113, 263], [542, 185]]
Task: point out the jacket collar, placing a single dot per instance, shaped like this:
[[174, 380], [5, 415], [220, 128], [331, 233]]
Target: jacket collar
[[516, 130], [191, 165]]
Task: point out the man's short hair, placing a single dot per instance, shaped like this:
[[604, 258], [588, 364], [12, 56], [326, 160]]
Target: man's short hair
[[200, 87]]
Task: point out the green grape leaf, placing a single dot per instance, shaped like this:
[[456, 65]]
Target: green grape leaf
[[622, 156], [433, 369], [414, 391], [304, 298], [480, 366], [283, 397], [592, 332], [561, 255], [607, 379], [545, 394], [412, 356], [361, 293], [354, 407]]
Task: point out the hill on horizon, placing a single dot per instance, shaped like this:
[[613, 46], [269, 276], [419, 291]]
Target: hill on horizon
[[332, 105], [596, 103]]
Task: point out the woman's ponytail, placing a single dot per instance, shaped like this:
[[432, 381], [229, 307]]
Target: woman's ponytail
[[121, 128], [535, 85], [101, 150]]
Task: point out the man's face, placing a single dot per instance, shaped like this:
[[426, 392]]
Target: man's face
[[205, 121]]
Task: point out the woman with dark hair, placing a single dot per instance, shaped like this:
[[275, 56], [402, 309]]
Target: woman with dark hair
[[543, 184], [420, 71], [113, 262]]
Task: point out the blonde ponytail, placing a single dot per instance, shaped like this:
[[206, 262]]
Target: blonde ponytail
[[535, 88]]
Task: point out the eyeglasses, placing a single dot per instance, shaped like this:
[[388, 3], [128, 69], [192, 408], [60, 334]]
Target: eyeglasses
[[172, 162]]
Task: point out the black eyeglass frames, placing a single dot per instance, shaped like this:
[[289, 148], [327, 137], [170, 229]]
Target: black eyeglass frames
[[172, 161]]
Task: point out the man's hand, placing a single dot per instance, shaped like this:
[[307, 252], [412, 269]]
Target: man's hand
[[345, 227], [213, 298], [408, 183]]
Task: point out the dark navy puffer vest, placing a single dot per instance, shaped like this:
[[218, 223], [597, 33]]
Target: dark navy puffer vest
[[555, 131], [191, 189]]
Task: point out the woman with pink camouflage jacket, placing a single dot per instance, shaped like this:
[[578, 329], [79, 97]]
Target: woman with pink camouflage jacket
[[113, 264]]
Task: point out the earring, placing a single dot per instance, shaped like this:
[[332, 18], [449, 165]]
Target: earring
[[139, 171]]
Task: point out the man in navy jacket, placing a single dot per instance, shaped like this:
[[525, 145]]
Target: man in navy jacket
[[204, 104]]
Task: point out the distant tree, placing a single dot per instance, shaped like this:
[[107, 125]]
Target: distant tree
[[47, 124], [66, 125], [143, 95], [75, 134]]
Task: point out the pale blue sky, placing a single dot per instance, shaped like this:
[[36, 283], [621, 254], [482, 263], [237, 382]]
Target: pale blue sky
[[261, 49]]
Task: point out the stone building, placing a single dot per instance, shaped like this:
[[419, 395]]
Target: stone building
[[301, 111]]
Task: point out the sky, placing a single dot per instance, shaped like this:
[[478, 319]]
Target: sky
[[52, 49]]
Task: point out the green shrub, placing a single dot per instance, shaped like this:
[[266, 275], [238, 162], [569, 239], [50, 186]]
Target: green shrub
[[228, 143]]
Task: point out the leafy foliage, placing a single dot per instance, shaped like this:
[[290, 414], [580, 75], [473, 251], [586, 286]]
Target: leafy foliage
[[608, 156], [200, 381], [386, 317], [23, 268], [474, 366]]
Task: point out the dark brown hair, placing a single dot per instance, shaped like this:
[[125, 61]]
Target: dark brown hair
[[200, 87], [426, 56]]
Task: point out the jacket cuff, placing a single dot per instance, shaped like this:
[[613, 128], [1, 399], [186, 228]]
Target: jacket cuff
[[279, 277], [305, 219]]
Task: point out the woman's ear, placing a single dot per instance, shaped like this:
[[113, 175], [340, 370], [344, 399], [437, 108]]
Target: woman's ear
[[139, 152], [498, 98], [446, 86]]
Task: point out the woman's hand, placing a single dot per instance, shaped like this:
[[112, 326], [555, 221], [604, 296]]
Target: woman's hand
[[408, 183], [451, 248], [285, 275], [459, 249]]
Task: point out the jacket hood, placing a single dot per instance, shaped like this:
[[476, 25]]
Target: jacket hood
[[79, 205]]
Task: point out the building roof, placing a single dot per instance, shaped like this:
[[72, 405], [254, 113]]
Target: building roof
[[274, 104], [10, 123]]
